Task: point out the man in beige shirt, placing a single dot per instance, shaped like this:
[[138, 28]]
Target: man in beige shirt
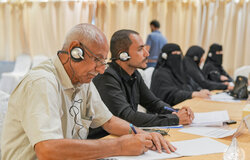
[[52, 108]]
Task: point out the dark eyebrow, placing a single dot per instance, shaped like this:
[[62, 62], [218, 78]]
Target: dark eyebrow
[[141, 46]]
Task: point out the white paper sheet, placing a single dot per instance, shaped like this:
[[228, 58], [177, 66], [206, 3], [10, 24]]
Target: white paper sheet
[[223, 97], [215, 118], [162, 127], [214, 132], [184, 148]]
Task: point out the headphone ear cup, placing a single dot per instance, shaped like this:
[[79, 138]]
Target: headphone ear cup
[[164, 56], [123, 56], [209, 54], [77, 54], [196, 58]]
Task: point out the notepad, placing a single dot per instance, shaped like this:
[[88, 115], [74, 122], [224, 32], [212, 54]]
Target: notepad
[[162, 127], [184, 148], [223, 97], [214, 132], [215, 118]]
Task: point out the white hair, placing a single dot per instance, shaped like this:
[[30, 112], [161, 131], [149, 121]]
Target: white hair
[[86, 34]]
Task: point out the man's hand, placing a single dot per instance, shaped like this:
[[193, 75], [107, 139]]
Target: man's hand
[[159, 143], [204, 93], [229, 87], [185, 115], [223, 78], [135, 144]]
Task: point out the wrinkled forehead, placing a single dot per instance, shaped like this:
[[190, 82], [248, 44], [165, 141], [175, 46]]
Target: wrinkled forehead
[[97, 43], [99, 49]]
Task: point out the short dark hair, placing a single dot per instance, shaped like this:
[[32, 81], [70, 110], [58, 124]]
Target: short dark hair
[[120, 42], [155, 23]]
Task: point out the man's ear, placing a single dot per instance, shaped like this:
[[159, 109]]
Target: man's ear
[[73, 44]]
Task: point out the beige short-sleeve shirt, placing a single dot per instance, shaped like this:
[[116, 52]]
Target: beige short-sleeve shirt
[[45, 105]]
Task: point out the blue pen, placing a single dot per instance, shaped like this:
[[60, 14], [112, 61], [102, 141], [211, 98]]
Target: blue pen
[[178, 126], [170, 109], [133, 128]]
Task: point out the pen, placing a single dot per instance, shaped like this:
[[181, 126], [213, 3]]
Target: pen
[[133, 128], [178, 126], [170, 109]]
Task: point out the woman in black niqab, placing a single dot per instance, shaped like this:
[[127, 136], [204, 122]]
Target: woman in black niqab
[[169, 81], [191, 62], [213, 69]]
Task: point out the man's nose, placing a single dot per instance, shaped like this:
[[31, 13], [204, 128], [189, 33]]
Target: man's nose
[[146, 53], [100, 69]]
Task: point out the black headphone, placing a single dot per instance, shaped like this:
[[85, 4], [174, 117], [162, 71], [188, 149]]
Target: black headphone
[[196, 58], [210, 54], [164, 55], [76, 54], [123, 56]]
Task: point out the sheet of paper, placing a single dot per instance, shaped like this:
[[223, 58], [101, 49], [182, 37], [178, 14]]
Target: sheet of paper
[[215, 118], [223, 97], [184, 148], [214, 132], [162, 127]]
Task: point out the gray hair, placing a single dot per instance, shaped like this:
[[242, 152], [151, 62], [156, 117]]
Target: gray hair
[[84, 33]]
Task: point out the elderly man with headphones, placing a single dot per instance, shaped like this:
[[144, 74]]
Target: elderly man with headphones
[[122, 88], [52, 108]]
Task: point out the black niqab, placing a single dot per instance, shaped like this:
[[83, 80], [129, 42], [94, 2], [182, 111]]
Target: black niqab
[[212, 56], [213, 68], [191, 64], [173, 61]]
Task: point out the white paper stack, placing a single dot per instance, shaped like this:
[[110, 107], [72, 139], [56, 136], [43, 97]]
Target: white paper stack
[[184, 148], [212, 119]]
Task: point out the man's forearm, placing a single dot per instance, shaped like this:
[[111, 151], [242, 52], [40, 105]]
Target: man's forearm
[[117, 126], [77, 149]]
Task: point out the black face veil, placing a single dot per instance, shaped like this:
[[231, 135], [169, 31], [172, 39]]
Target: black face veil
[[212, 56], [172, 61]]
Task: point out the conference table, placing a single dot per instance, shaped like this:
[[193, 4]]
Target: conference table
[[203, 105]]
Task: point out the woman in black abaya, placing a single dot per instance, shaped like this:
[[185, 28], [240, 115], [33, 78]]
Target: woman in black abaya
[[191, 61], [169, 81], [213, 69]]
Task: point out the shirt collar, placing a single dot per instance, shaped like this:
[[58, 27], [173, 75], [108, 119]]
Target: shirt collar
[[62, 74], [157, 31], [124, 75]]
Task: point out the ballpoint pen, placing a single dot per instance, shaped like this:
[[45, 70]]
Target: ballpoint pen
[[133, 128], [170, 109]]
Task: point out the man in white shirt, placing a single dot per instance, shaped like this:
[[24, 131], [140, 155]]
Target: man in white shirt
[[52, 108]]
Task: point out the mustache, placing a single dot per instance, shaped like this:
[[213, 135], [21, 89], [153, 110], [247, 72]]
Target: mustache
[[145, 59]]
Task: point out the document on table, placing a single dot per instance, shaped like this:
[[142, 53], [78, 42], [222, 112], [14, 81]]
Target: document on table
[[162, 127], [214, 132], [184, 148], [223, 97], [215, 118]]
